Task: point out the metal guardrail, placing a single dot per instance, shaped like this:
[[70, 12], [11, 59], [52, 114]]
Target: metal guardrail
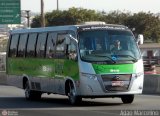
[[151, 84], [2, 61], [3, 79]]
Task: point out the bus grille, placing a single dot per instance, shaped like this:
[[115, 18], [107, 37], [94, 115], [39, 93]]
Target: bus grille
[[118, 82]]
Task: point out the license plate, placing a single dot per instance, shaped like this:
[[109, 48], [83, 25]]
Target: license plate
[[117, 83]]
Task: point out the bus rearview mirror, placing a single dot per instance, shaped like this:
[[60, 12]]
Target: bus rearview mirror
[[140, 39]]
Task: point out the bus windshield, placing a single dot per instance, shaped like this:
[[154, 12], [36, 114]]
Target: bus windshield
[[108, 46]]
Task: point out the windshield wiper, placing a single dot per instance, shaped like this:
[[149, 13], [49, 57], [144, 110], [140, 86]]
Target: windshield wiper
[[133, 58], [106, 57]]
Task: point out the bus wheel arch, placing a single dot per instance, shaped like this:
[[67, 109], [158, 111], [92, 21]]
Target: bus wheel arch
[[67, 86], [30, 94], [25, 79], [70, 91]]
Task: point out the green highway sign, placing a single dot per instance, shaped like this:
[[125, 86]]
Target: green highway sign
[[10, 12]]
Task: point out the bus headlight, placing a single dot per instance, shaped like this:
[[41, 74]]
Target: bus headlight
[[90, 76]]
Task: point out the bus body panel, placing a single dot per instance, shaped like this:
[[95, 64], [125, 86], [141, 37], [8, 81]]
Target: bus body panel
[[92, 84], [50, 75]]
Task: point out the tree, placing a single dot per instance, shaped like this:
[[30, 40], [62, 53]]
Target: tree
[[116, 17], [147, 24], [36, 22], [67, 17]]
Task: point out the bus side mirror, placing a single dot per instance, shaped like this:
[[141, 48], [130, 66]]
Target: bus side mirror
[[140, 39]]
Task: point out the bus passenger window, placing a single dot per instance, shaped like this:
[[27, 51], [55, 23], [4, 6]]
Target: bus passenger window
[[41, 42], [31, 45], [13, 45], [22, 45], [60, 46], [50, 51]]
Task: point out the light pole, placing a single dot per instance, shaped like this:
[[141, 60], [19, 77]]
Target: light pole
[[57, 5], [27, 16], [42, 14]]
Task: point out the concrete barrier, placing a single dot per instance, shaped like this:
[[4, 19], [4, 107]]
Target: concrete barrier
[[3, 79], [151, 84]]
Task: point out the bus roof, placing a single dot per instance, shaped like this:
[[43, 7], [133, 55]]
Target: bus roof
[[71, 27], [44, 29]]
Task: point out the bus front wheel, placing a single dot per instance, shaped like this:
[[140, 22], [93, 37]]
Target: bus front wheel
[[30, 94], [73, 98], [127, 99]]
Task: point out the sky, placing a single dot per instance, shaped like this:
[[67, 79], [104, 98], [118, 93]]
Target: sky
[[99, 5]]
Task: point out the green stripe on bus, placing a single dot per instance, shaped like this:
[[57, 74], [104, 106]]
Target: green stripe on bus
[[43, 67], [114, 69]]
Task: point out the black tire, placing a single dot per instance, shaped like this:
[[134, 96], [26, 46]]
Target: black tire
[[127, 99], [73, 98], [30, 94]]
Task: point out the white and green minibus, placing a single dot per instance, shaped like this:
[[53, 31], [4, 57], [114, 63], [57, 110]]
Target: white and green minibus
[[79, 61]]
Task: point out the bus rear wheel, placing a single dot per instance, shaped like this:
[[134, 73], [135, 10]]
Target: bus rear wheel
[[73, 98], [30, 94], [127, 99]]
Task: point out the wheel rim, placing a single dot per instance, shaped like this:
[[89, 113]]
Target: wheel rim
[[27, 90], [72, 94]]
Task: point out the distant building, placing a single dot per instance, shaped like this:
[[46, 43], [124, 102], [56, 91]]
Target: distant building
[[151, 53]]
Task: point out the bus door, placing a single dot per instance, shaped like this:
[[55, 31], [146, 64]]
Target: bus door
[[60, 57], [66, 64]]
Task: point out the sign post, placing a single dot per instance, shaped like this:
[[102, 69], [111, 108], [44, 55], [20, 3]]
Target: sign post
[[10, 12]]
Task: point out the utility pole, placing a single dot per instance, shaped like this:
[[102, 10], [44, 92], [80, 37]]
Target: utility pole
[[57, 5], [42, 14], [28, 18]]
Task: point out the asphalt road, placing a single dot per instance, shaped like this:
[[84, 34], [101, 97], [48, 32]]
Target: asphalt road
[[13, 102]]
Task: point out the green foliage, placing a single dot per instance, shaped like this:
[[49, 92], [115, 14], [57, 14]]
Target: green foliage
[[147, 24], [116, 17], [36, 22]]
